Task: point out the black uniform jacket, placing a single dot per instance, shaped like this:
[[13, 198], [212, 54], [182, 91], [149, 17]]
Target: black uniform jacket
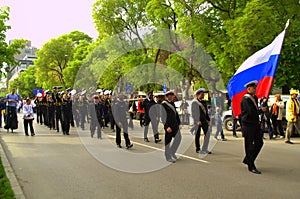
[[170, 117], [250, 114]]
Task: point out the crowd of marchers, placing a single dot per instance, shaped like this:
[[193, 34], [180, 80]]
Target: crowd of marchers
[[98, 109]]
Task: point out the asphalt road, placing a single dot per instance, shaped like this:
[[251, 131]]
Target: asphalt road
[[52, 165]]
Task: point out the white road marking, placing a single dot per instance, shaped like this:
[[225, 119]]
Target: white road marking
[[158, 149]]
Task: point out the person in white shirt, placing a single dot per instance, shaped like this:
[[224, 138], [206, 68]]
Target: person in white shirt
[[28, 117]]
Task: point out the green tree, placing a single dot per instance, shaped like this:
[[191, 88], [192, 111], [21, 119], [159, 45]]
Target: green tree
[[25, 83], [53, 62], [7, 51]]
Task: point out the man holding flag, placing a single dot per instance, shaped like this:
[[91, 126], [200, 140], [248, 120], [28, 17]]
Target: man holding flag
[[251, 126], [261, 67]]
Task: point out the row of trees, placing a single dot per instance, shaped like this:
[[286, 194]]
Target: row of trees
[[176, 42]]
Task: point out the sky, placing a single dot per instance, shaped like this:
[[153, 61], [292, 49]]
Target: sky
[[41, 20]]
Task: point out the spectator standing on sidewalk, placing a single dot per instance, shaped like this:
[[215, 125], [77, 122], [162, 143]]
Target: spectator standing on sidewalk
[[276, 116], [218, 123], [28, 117], [292, 115], [141, 110]]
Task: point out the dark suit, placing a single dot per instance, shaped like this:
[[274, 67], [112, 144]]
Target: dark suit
[[171, 119], [96, 114], [199, 114], [58, 112], [66, 115], [251, 130], [151, 115], [120, 108]]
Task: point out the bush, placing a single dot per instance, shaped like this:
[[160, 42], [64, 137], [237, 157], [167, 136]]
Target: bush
[[5, 189]]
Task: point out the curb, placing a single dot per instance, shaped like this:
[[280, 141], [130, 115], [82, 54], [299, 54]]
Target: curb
[[18, 192]]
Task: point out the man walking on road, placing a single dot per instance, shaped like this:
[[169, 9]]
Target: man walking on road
[[201, 120], [251, 126], [171, 122], [151, 113], [120, 108]]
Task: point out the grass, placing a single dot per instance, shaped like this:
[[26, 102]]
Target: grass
[[5, 188]]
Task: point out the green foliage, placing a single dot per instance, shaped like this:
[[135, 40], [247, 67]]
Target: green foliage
[[60, 59], [7, 51], [5, 188], [229, 31], [25, 82]]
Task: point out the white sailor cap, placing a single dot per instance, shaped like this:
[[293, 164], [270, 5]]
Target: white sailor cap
[[199, 91], [251, 83], [83, 92], [73, 92], [106, 92], [96, 96], [99, 90], [171, 92]]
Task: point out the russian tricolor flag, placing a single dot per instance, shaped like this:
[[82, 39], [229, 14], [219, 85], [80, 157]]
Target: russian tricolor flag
[[260, 66]]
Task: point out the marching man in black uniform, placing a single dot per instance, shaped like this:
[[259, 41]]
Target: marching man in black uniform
[[95, 116], [171, 121], [251, 126], [201, 121], [38, 102], [57, 107], [151, 114], [120, 108], [66, 113]]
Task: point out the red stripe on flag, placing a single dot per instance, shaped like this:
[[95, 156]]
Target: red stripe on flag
[[236, 102], [263, 89]]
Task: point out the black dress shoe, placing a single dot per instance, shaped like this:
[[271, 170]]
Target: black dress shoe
[[129, 146], [157, 140], [174, 157], [170, 160], [255, 171], [146, 140], [289, 142]]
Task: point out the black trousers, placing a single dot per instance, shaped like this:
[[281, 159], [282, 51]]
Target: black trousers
[[51, 120], [125, 134], [204, 127], [277, 125], [58, 119], [82, 119], [38, 114], [112, 121], [154, 125], [26, 123], [67, 118], [142, 119], [253, 143], [95, 124], [11, 121], [42, 115], [170, 149]]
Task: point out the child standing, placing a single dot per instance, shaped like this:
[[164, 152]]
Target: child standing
[[218, 122], [28, 117]]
